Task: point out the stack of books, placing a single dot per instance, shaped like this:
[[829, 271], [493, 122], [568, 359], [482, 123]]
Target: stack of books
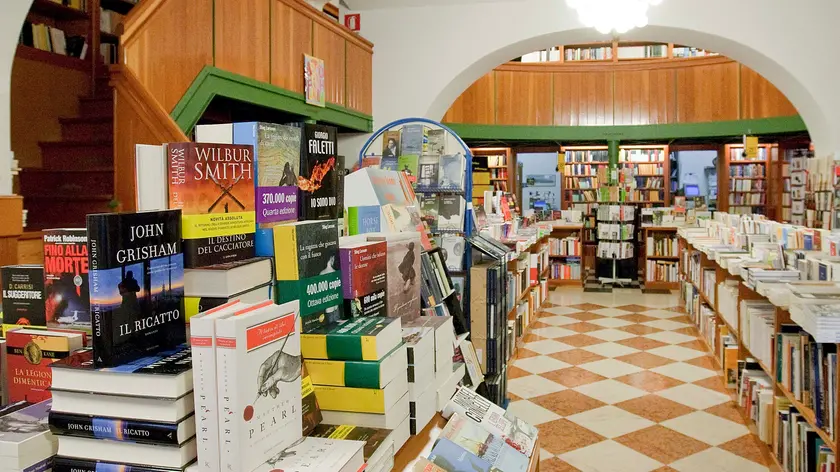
[[378, 449], [248, 281], [422, 395], [26, 443], [364, 276], [822, 321]]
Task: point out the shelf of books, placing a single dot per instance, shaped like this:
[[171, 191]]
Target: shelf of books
[[743, 182], [645, 171], [492, 170], [661, 260], [765, 317], [585, 170], [566, 255]]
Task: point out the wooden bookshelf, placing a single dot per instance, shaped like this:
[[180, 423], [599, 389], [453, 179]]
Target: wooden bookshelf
[[497, 177], [561, 232], [658, 161], [655, 231], [740, 179], [621, 51]]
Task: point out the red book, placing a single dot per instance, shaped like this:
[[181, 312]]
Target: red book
[[29, 355]]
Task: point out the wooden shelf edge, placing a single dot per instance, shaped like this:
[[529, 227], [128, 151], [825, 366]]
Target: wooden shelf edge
[[59, 60]]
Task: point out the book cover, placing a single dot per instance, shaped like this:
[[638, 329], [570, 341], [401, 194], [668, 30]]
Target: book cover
[[122, 429], [364, 278], [213, 186], [451, 212], [427, 172], [73, 464], [362, 219], [389, 163], [374, 438], [358, 374], [28, 358], [429, 208], [136, 284], [310, 411], [450, 456], [478, 441], [454, 247], [26, 430], [390, 144], [451, 171], [23, 296], [4, 377], [259, 380], [318, 180], [66, 291], [412, 139], [407, 164], [437, 142], [312, 454], [403, 291], [355, 340]]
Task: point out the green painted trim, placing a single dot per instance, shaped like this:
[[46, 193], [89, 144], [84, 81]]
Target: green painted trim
[[786, 124], [212, 82]]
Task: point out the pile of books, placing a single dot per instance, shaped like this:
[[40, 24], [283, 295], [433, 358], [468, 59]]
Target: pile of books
[[26, 442], [822, 321]]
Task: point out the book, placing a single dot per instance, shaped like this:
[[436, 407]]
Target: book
[[151, 173], [451, 171], [421, 409], [310, 409], [121, 429], [66, 292], [424, 465], [313, 454], [154, 409], [454, 247], [165, 375], [427, 172], [362, 219], [360, 339], [258, 366], [404, 274], [389, 163], [437, 142], [420, 350], [411, 139], [4, 376], [378, 442], [390, 144], [25, 439], [472, 437], [450, 456], [363, 277], [23, 296], [318, 180], [362, 400], [29, 354], [131, 453], [469, 404], [451, 213], [429, 204], [136, 284], [358, 374], [395, 418], [229, 278], [407, 164], [207, 180], [311, 272], [73, 464]]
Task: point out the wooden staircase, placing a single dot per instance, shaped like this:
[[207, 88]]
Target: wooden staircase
[[77, 173]]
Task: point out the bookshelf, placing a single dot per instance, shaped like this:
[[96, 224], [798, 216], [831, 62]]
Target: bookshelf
[[743, 184], [585, 169], [661, 258], [492, 169], [616, 51], [566, 253], [650, 167]]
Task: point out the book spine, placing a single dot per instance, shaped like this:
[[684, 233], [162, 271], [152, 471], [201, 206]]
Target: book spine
[[345, 373], [226, 366], [72, 464], [346, 264], [100, 324], [359, 400], [202, 340], [114, 429]]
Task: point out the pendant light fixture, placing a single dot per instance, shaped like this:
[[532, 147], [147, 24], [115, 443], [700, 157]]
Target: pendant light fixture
[[613, 16]]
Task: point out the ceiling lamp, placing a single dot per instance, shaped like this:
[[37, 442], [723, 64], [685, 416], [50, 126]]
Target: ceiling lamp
[[617, 16]]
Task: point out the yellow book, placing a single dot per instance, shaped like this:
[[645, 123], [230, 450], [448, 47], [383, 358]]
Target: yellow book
[[481, 178], [362, 400]]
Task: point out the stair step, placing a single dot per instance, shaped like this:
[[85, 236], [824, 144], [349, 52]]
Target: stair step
[[47, 211], [77, 154], [96, 106], [66, 182], [87, 127]]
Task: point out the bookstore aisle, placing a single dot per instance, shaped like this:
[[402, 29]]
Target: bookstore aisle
[[621, 381]]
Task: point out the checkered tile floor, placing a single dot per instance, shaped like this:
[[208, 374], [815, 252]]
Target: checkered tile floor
[[620, 382]]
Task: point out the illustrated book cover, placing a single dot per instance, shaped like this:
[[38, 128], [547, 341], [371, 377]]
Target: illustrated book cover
[[451, 171], [310, 411], [362, 219], [437, 142], [412, 139], [407, 164], [318, 180], [136, 284], [403, 291], [23, 296], [390, 144], [427, 173], [29, 353], [364, 278], [451, 212], [313, 454], [66, 291], [213, 186], [472, 437]]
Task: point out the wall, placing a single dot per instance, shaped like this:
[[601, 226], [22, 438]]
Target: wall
[[480, 35], [695, 162], [544, 163], [11, 20], [40, 90]]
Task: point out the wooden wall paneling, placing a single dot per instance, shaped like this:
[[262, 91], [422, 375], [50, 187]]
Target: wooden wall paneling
[[582, 98], [523, 99], [242, 37], [359, 93], [707, 93], [477, 104], [167, 43], [330, 46], [645, 97], [760, 98], [291, 38]]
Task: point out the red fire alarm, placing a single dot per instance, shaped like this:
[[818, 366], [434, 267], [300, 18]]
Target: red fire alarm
[[353, 21]]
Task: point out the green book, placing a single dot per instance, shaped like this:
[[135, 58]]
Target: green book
[[359, 374], [408, 164], [359, 339]]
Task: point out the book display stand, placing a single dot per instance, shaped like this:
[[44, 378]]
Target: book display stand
[[616, 262]]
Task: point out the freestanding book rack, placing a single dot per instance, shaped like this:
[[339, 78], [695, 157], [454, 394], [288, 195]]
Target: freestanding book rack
[[614, 267]]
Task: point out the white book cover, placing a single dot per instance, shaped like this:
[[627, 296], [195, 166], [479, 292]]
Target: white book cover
[[259, 377], [150, 171], [203, 342], [312, 454]]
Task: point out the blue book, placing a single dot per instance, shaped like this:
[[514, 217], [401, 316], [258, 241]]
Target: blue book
[[363, 219], [453, 458]]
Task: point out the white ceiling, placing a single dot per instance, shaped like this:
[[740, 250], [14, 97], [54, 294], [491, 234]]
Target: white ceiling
[[360, 5]]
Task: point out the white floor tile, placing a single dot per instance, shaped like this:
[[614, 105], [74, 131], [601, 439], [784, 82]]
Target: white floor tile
[[717, 460], [540, 364], [610, 391], [670, 337], [547, 346], [611, 322], [610, 334], [706, 427], [609, 349], [611, 312], [684, 372], [558, 320], [561, 310], [610, 368], [694, 396], [676, 353], [531, 412], [533, 386], [662, 314], [553, 332], [610, 421], [669, 325], [545, 455], [609, 456]]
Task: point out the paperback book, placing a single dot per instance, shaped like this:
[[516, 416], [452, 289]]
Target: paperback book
[[404, 275], [312, 454], [310, 410], [407, 164], [378, 442], [360, 339], [121, 429], [23, 296], [136, 284], [318, 181], [213, 186], [451, 171], [362, 219], [25, 439], [412, 139], [427, 173], [66, 291], [74, 464], [437, 142], [390, 144], [364, 278], [29, 353], [451, 213]]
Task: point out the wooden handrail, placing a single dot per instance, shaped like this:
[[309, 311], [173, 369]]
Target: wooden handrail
[[150, 112], [138, 16]]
